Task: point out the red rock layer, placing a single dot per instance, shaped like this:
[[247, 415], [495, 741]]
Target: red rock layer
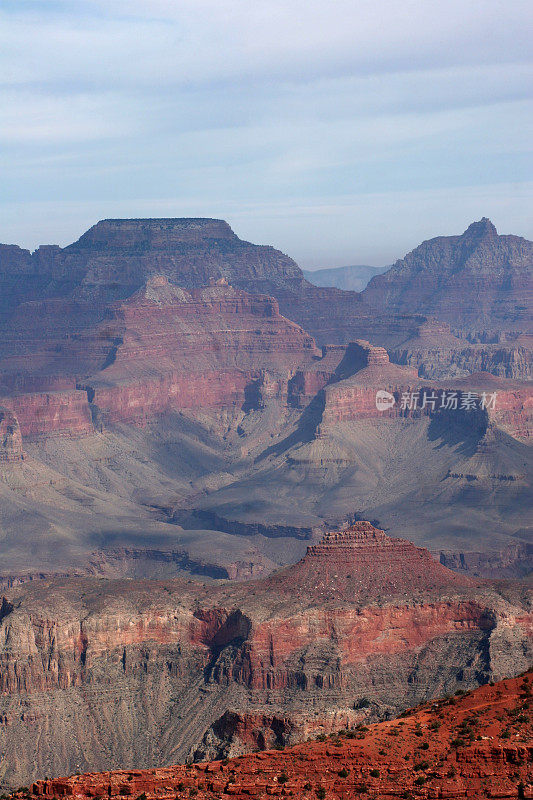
[[477, 745], [209, 347], [513, 408], [51, 414], [361, 616], [163, 349], [355, 397]]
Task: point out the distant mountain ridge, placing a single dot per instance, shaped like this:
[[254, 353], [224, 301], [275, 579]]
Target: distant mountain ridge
[[479, 282], [353, 278]]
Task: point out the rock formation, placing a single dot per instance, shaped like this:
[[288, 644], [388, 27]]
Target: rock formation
[[478, 282], [145, 405], [114, 258], [10, 437], [163, 348], [436, 353], [363, 561], [481, 743], [163, 671]]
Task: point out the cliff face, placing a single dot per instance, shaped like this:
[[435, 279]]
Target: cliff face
[[481, 398], [116, 257], [207, 347], [477, 745], [156, 670], [478, 281], [437, 354], [164, 348], [42, 414], [10, 437]]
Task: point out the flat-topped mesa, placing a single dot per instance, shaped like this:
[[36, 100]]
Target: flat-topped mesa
[[152, 234]]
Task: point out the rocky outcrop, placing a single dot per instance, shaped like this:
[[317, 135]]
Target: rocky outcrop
[[512, 561], [162, 349], [377, 563], [479, 744], [10, 437], [355, 396], [379, 389], [437, 354], [42, 414], [477, 282], [150, 666]]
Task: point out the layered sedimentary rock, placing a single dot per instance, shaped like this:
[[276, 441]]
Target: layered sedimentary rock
[[178, 349], [43, 414], [355, 396], [444, 277], [479, 743], [478, 398], [116, 257], [141, 402], [479, 281], [378, 563], [437, 354], [157, 671], [162, 349]]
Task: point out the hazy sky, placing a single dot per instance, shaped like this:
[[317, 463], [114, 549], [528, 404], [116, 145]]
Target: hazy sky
[[341, 131]]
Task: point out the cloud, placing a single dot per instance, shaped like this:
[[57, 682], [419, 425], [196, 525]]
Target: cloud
[[260, 104]]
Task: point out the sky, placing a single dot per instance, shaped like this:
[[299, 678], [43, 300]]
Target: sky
[[341, 132]]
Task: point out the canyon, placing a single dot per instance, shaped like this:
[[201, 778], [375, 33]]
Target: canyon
[[476, 742], [174, 429], [115, 257], [97, 675], [238, 510]]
